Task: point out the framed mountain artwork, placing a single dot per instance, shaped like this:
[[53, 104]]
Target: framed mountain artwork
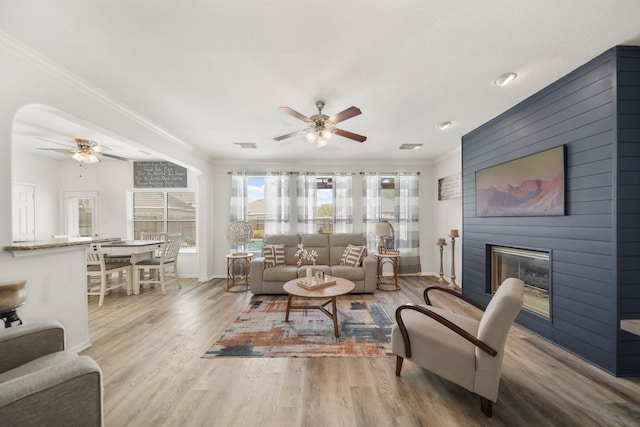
[[529, 186]]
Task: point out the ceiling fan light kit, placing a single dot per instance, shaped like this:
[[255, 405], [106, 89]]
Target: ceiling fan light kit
[[322, 127]]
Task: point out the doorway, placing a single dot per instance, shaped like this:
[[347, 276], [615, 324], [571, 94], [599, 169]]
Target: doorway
[[81, 210]]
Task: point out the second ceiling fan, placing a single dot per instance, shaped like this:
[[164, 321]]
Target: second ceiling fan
[[322, 127]]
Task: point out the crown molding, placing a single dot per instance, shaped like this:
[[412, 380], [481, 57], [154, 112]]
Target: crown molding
[[29, 55]]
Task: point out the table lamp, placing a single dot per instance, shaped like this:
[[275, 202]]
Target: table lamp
[[383, 229]]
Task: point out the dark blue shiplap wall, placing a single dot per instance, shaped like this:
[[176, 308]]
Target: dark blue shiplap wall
[[584, 111], [628, 205]]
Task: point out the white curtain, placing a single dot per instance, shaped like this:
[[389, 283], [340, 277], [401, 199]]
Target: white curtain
[[371, 205], [238, 208], [277, 205], [408, 223], [306, 203], [342, 203]]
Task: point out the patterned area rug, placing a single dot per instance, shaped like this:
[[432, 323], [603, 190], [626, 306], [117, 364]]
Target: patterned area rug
[[260, 331]]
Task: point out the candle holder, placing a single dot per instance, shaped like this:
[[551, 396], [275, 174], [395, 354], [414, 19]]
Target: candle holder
[[441, 243], [453, 285]]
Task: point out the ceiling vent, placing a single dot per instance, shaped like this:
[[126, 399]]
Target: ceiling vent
[[410, 146], [247, 145]]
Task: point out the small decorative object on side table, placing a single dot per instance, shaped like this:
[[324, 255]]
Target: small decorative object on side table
[[388, 257], [453, 285], [442, 243]]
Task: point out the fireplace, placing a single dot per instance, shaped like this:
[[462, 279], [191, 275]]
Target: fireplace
[[533, 267]]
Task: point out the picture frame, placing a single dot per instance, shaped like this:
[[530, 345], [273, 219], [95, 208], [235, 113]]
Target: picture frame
[[533, 185]]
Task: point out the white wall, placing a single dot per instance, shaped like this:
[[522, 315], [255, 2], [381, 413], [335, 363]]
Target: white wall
[[447, 214]]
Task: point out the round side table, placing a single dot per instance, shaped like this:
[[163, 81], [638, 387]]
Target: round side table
[[238, 282], [388, 283]]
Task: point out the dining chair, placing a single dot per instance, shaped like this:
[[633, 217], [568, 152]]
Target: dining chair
[[162, 269], [153, 235], [460, 349], [105, 272]]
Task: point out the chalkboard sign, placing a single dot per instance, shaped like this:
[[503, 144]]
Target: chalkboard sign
[[159, 175], [450, 187]]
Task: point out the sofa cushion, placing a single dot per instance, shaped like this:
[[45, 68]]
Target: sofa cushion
[[352, 255], [355, 274], [338, 242], [290, 243], [318, 243], [281, 273], [273, 255]]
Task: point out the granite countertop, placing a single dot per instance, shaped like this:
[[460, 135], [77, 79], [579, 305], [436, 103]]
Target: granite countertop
[[31, 245]]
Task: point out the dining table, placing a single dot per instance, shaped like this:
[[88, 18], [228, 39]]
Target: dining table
[[138, 250]]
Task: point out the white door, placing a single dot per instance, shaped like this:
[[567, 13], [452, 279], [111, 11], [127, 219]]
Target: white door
[[23, 215], [81, 213]]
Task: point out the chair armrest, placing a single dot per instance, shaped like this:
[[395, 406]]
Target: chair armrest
[[21, 344], [67, 393], [435, 316], [425, 294]]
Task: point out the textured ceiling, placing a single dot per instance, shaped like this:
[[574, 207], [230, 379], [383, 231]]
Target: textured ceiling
[[213, 73]]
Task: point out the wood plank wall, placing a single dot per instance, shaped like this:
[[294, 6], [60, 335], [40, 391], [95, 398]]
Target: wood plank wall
[[578, 111], [628, 205]]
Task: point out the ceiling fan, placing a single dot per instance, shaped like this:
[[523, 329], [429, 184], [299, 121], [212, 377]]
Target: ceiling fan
[[85, 151], [322, 127]]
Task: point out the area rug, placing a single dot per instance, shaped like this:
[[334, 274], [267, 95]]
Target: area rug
[[260, 331]]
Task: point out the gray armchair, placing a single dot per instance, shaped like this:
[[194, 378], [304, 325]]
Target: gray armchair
[[42, 384]]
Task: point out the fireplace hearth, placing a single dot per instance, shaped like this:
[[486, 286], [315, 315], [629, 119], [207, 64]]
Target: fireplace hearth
[[533, 267]]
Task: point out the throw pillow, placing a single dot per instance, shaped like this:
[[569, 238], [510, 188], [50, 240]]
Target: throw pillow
[[352, 255], [273, 255]]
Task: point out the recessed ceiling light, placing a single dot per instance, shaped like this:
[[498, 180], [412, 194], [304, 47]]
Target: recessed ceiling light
[[410, 146], [247, 145], [444, 125], [505, 79]]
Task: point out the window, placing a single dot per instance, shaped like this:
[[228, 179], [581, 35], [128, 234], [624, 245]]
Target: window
[[164, 211], [255, 211], [324, 198]]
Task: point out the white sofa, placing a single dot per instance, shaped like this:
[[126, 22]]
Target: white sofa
[[330, 248]]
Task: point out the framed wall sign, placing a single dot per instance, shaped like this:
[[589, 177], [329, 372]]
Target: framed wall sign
[[450, 187], [159, 175]]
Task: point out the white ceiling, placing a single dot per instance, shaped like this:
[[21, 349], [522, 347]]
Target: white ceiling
[[213, 73]]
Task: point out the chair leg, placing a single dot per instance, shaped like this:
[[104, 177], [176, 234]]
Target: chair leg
[[486, 406], [103, 289], [399, 361], [161, 271]]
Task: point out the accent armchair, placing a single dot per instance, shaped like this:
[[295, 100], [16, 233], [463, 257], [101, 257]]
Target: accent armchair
[[462, 350], [41, 384]]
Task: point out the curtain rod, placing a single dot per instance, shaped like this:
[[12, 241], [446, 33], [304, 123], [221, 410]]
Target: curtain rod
[[389, 173], [293, 173]]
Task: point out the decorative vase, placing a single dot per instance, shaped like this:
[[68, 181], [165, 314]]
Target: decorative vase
[[309, 274]]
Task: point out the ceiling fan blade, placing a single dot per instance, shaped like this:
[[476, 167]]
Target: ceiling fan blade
[[344, 115], [70, 145], [59, 150], [350, 135], [289, 135], [113, 156], [295, 114]]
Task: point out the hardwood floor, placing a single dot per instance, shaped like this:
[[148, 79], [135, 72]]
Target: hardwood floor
[[149, 348]]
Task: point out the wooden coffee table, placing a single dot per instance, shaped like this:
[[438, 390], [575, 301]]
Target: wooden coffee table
[[342, 287]]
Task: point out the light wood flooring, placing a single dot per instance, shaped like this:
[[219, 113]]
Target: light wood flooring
[[149, 347]]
